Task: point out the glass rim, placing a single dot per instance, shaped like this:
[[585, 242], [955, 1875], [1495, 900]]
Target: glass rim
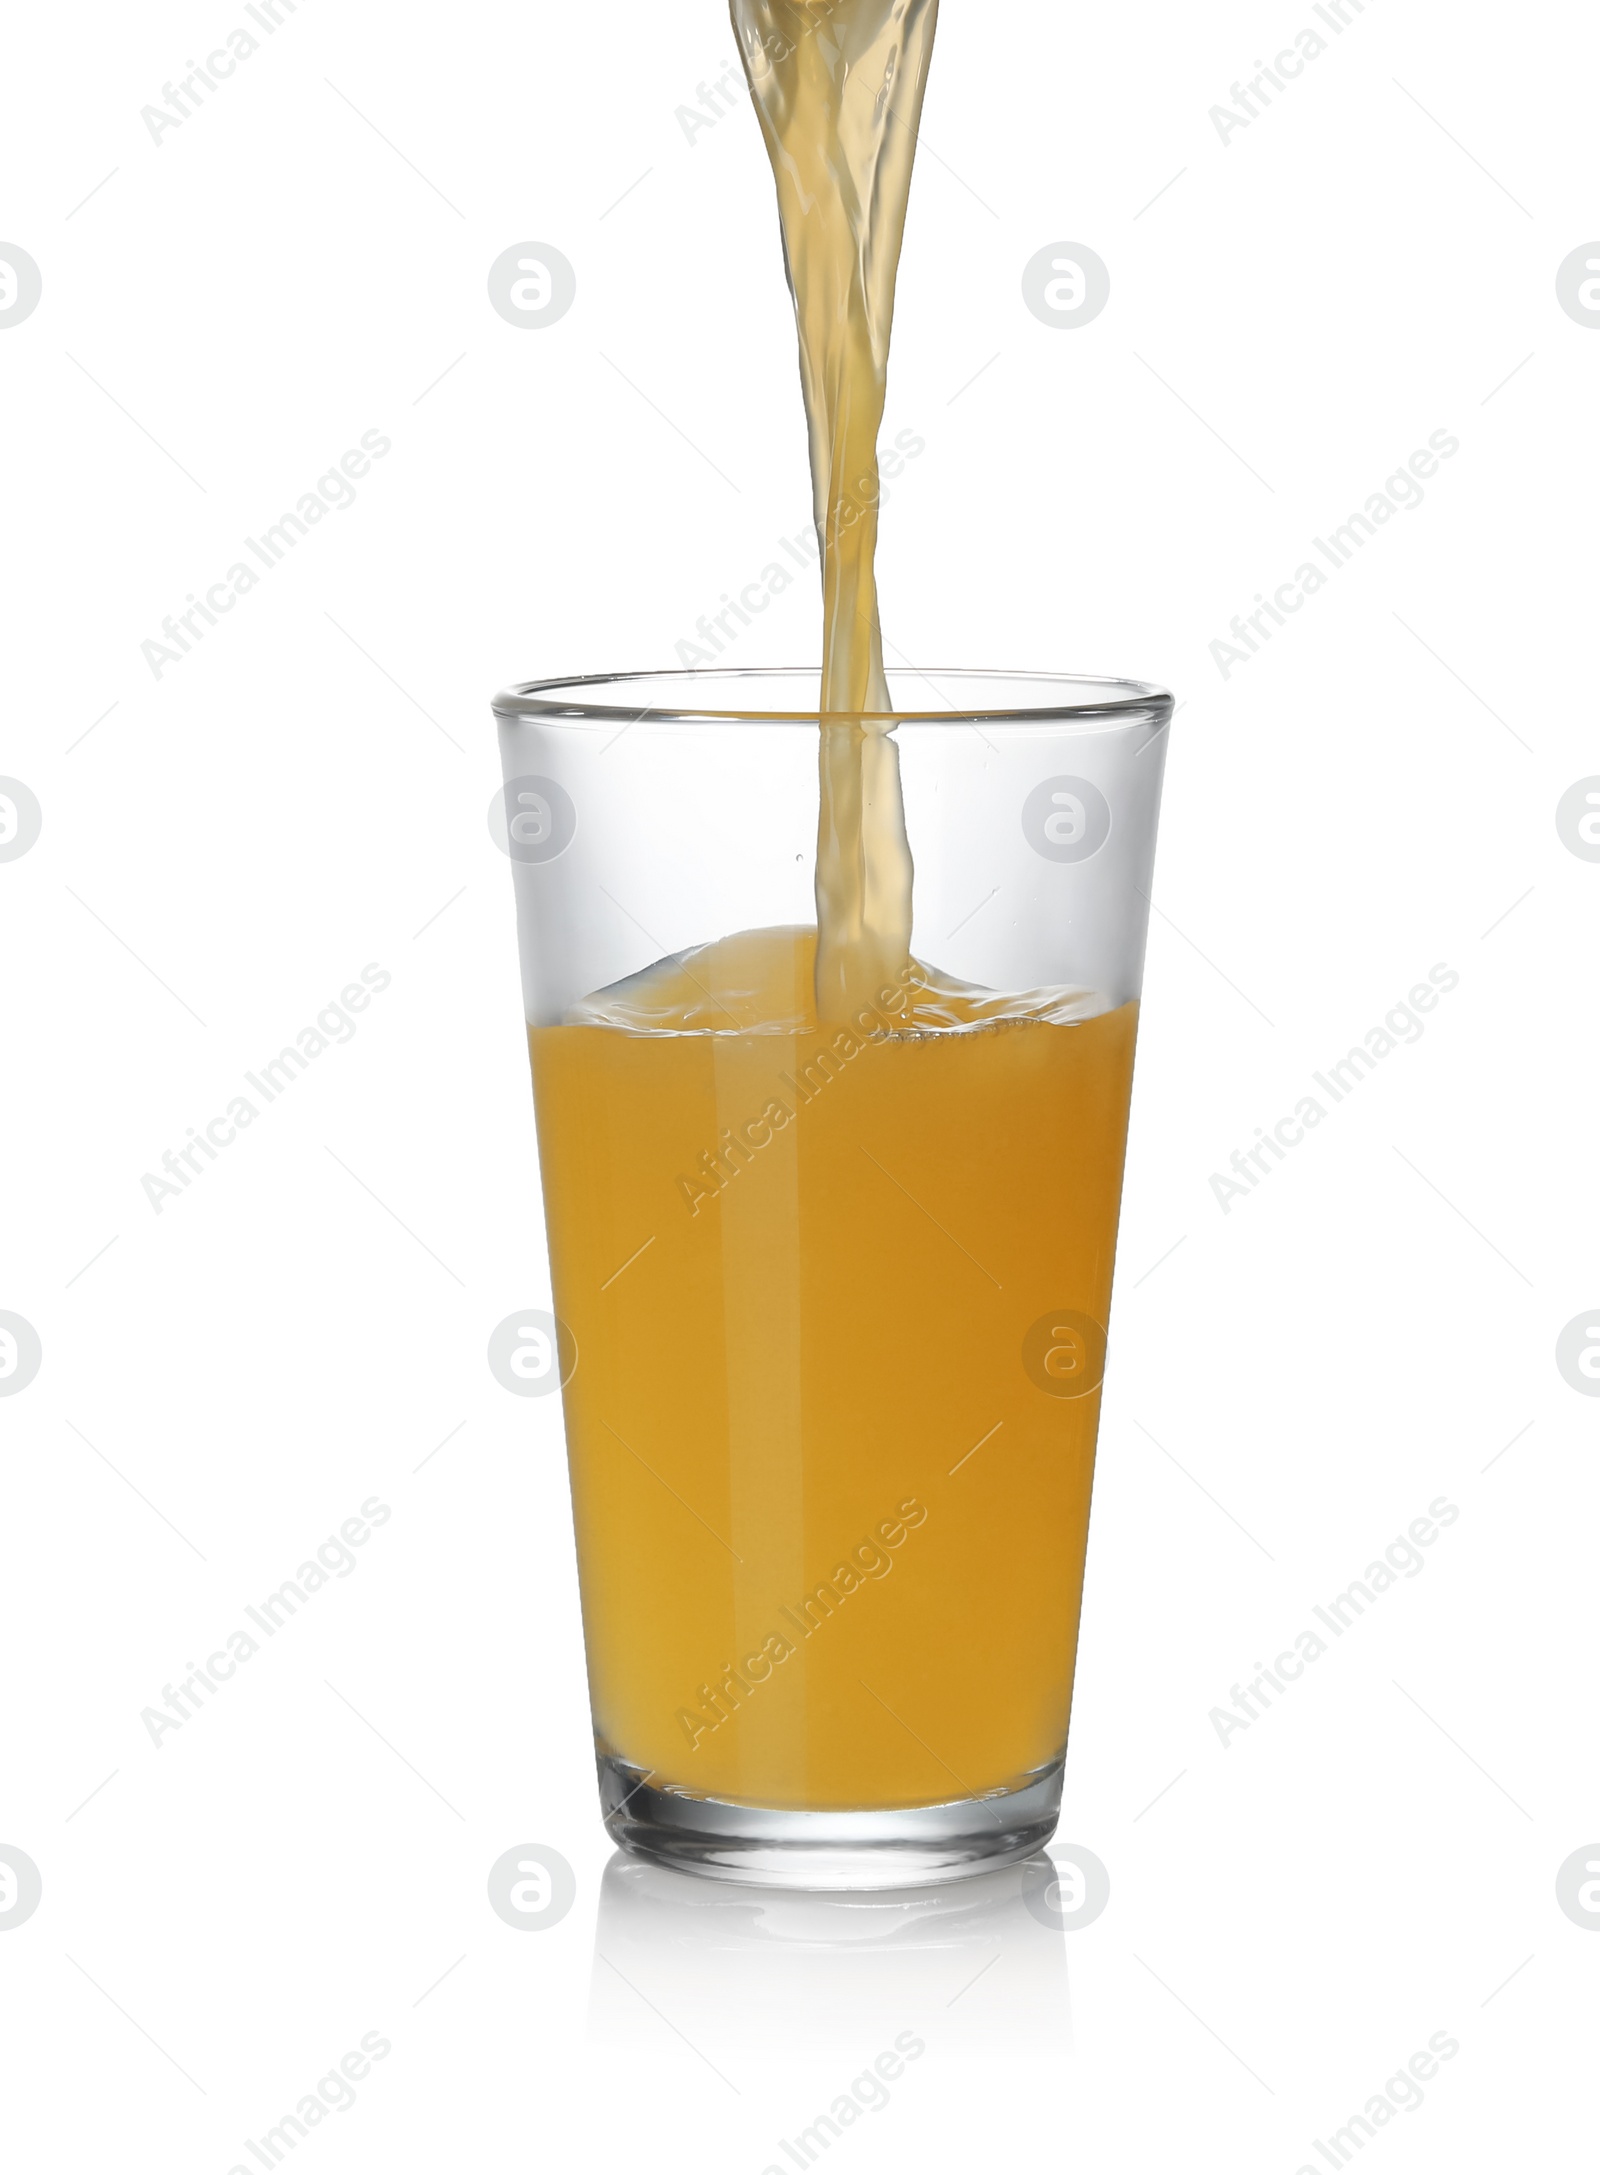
[[563, 700]]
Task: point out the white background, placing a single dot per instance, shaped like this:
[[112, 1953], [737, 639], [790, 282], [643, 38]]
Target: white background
[[225, 847]]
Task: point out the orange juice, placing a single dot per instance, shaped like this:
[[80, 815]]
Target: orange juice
[[838, 1296]]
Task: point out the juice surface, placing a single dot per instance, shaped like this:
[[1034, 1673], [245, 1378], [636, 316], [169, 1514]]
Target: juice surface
[[831, 1438]]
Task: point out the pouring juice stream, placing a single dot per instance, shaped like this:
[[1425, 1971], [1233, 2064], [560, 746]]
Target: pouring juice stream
[[838, 87]]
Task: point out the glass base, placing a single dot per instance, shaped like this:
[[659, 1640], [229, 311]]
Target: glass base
[[909, 1847]]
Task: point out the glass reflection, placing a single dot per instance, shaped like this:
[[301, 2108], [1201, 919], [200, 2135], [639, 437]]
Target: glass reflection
[[977, 1965]]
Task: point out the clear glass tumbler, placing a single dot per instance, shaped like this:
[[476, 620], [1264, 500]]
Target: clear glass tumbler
[[832, 1297]]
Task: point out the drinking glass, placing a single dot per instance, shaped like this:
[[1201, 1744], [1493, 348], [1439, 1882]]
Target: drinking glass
[[831, 1296]]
